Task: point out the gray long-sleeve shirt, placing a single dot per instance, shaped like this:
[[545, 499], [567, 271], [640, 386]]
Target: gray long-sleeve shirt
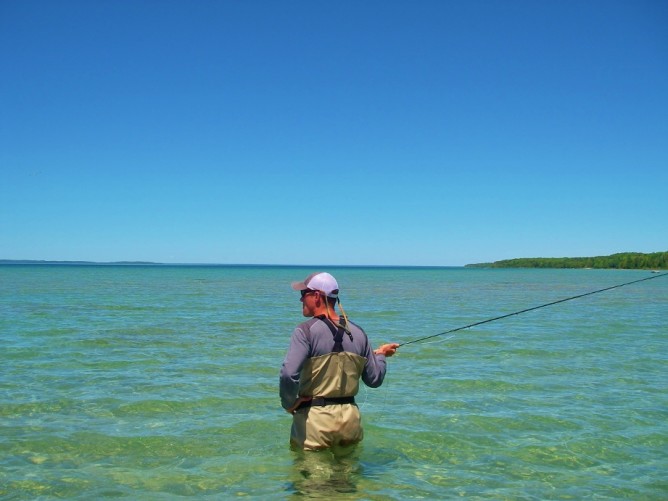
[[314, 338]]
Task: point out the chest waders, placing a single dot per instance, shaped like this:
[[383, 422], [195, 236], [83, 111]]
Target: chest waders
[[331, 416], [332, 376]]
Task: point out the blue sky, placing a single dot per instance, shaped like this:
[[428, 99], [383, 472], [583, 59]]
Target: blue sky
[[347, 132]]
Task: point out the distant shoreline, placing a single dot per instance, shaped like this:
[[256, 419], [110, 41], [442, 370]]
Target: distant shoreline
[[84, 263], [620, 261]]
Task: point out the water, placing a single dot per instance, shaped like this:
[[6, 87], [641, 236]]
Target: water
[[161, 382]]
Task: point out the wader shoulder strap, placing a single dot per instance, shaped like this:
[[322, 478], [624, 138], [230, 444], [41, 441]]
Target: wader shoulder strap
[[337, 332]]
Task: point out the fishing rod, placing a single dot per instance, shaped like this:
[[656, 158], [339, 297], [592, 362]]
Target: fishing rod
[[529, 309]]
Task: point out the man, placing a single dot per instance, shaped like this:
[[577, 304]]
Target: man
[[320, 374]]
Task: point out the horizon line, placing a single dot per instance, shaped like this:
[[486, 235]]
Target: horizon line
[[259, 265]]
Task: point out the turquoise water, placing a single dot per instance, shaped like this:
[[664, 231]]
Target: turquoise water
[[161, 382]]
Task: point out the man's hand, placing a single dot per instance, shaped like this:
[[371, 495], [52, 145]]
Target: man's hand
[[387, 349], [298, 402]]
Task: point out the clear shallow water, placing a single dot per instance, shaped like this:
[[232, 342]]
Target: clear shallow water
[[161, 382]]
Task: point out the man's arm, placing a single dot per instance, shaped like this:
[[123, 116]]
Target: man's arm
[[292, 365]]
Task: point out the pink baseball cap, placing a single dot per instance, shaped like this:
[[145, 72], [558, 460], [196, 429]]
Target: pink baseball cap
[[319, 281]]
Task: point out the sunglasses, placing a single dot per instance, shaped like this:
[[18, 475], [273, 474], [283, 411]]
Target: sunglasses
[[305, 292]]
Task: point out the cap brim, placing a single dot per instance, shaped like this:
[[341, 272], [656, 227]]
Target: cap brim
[[299, 286]]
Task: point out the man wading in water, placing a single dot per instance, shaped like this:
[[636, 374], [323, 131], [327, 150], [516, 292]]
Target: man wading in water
[[320, 374]]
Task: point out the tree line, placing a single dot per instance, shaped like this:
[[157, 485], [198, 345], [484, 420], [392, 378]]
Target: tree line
[[623, 260]]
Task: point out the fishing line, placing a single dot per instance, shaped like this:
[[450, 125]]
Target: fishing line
[[529, 309]]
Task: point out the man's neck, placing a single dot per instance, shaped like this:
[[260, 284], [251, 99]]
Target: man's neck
[[327, 313]]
